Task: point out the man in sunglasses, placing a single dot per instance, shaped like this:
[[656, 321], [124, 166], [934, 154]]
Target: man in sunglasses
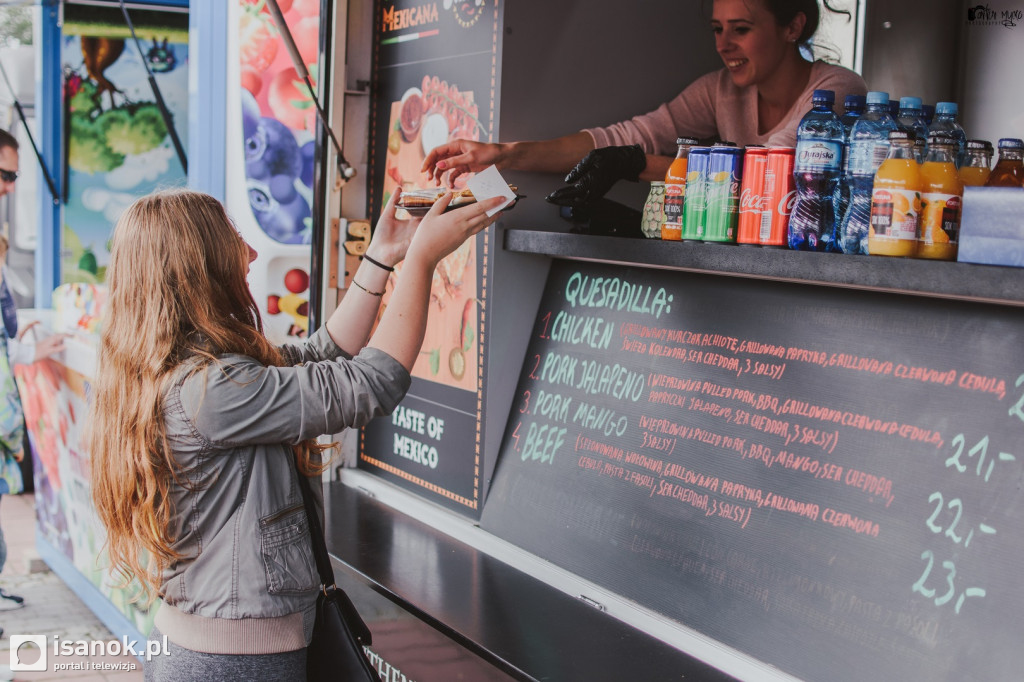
[[8, 162]]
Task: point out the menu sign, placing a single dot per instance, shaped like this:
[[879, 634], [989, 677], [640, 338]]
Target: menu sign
[[829, 481], [435, 81]]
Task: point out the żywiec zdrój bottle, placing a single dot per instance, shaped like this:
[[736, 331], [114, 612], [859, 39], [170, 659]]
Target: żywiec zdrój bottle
[[945, 122], [911, 119], [869, 145], [854, 106], [818, 163]]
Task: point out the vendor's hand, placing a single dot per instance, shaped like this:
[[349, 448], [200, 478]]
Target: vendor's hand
[[597, 172], [441, 233], [449, 161], [391, 236]]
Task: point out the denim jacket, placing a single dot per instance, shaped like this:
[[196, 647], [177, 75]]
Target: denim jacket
[[246, 580]]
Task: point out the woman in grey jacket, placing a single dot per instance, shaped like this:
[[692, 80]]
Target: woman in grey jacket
[[195, 416]]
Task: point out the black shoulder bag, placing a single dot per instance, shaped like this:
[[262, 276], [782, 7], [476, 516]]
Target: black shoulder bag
[[339, 633]]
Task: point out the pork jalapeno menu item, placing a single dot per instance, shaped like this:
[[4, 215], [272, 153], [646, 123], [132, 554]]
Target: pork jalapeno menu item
[[826, 480]]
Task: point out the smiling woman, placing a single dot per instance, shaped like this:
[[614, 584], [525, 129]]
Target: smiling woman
[[758, 97]]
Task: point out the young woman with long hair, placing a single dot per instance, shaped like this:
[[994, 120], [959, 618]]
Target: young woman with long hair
[[196, 416]]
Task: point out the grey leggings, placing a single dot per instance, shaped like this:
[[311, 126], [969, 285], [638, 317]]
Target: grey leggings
[[184, 665]]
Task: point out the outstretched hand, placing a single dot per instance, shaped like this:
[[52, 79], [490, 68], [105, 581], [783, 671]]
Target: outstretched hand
[[449, 161], [440, 233], [597, 173], [391, 236]]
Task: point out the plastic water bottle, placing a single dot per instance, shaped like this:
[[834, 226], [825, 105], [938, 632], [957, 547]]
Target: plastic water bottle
[[911, 120], [854, 107], [945, 122], [869, 145], [816, 170]]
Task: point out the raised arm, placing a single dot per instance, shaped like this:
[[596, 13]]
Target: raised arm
[[448, 161]]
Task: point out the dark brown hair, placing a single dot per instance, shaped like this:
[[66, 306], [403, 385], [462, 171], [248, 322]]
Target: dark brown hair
[[8, 140]]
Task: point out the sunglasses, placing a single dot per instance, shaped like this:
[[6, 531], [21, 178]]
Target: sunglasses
[[8, 175]]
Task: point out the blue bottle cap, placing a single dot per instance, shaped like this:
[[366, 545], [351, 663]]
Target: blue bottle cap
[[823, 97], [948, 108], [910, 102], [878, 97], [854, 101], [1011, 143]]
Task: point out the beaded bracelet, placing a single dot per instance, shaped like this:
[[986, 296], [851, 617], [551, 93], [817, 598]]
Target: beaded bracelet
[[371, 293], [378, 263]]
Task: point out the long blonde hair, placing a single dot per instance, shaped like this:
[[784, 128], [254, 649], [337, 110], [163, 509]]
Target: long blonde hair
[[177, 290]]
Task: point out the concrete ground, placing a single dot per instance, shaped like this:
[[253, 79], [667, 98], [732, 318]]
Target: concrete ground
[[50, 609]]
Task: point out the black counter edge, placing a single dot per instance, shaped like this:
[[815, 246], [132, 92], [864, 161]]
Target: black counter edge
[[350, 554], [952, 280]]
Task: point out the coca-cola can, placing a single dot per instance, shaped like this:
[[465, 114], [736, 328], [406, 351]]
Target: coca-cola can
[[780, 196], [752, 196]]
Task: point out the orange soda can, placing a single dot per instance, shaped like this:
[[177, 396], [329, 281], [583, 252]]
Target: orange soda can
[[752, 196], [780, 196]]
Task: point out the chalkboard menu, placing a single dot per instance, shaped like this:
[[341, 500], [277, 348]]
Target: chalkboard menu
[[829, 481]]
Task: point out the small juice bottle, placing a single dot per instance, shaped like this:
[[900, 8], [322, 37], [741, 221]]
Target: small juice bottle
[[675, 191], [1009, 170], [977, 163], [896, 200], [941, 196]]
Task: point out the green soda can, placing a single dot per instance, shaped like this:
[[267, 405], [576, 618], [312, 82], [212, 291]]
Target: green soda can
[[695, 202], [725, 172]]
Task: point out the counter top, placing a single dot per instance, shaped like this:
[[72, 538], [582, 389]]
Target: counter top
[[964, 281], [523, 626]]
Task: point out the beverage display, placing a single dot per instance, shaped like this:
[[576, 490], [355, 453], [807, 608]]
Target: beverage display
[[652, 218], [695, 200], [752, 195], [869, 145], [941, 199], [725, 172], [780, 196], [896, 200], [819, 155], [854, 108], [977, 165], [1009, 170], [945, 121], [911, 119], [675, 190]]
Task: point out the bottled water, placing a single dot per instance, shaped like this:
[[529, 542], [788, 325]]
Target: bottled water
[[945, 122], [816, 170], [911, 120], [854, 106], [869, 145]]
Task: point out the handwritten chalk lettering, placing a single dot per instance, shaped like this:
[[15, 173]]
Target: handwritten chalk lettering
[[612, 470], [956, 506], [415, 451], [645, 462], [682, 494], [847, 521], [641, 480], [406, 418], [658, 442], [781, 503], [876, 486], [673, 352], [634, 346], [713, 409], [642, 331], [744, 493], [601, 419], [975, 382], [559, 369], [553, 406], [863, 422], [616, 381], [815, 357], [542, 443], [666, 398], [585, 462], [757, 348], [978, 452], [869, 365], [946, 581], [926, 375], [603, 449], [582, 330], [614, 293], [1017, 409], [692, 478]]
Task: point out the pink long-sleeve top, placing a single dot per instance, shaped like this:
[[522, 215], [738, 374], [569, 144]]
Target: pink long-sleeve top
[[712, 106]]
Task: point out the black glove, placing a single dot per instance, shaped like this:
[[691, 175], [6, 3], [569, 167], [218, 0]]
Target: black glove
[[597, 172]]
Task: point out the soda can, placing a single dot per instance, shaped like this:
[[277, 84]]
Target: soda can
[[752, 196], [780, 195], [725, 172], [695, 201]]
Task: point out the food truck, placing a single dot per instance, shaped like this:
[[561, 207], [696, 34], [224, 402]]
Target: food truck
[[626, 458]]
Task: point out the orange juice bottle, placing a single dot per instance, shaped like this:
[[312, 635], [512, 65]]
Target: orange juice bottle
[[896, 200], [941, 197], [977, 163], [675, 190]]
